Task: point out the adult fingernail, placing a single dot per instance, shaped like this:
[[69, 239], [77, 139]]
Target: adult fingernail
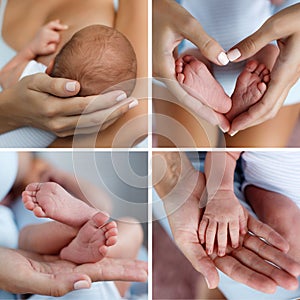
[[207, 282], [121, 97], [233, 133], [223, 59], [133, 104], [82, 284], [234, 54], [71, 86], [224, 130]]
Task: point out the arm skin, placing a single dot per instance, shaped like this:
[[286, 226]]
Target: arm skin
[[284, 28], [180, 186]]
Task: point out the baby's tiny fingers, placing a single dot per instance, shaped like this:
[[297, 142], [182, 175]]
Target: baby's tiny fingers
[[210, 236], [56, 25], [222, 238], [234, 233], [202, 229]]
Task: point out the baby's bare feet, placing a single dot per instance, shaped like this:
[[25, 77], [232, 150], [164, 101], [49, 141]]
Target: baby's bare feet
[[92, 241], [249, 89], [197, 80], [51, 200]]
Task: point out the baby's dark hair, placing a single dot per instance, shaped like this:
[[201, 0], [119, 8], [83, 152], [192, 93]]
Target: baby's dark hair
[[100, 58]]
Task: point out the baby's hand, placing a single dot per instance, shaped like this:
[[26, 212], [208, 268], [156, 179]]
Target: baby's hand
[[47, 38], [223, 213]]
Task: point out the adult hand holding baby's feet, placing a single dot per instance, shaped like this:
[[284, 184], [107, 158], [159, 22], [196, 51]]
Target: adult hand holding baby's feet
[[95, 233]]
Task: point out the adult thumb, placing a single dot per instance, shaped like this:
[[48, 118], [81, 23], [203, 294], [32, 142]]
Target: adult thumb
[[59, 284], [208, 46]]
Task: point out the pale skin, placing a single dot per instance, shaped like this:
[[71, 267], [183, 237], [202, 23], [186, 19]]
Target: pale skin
[[45, 42], [94, 233], [283, 27], [286, 117], [51, 112], [35, 169], [181, 192], [223, 218]]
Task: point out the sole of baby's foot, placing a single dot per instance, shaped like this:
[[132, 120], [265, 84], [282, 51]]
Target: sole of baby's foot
[[250, 88], [92, 241], [195, 78], [50, 200]]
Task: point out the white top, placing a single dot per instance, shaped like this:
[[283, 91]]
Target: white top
[[275, 171], [230, 21]]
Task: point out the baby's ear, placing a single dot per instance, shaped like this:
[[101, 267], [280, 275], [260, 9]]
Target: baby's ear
[[50, 67]]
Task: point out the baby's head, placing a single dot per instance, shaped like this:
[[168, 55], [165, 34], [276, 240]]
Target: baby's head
[[100, 58]]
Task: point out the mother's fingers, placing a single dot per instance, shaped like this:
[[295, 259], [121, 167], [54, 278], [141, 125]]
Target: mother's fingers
[[86, 105], [110, 269], [243, 274], [269, 234], [89, 123], [257, 263], [273, 255], [59, 87]]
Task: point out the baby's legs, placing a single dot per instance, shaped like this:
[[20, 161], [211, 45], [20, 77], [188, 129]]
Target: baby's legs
[[130, 238], [252, 82], [279, 212], [197, 80]]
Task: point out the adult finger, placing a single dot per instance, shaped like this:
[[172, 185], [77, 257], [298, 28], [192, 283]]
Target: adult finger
[[110, 269], [277, 27], [258, 264], [209, 47], [241, 273], [269, 234], [59, 87], [97, 118], [57, 285], [273, 255], [86, 105]]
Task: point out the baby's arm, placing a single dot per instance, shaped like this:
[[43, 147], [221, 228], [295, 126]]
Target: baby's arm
[[223, 213], [45, 42]]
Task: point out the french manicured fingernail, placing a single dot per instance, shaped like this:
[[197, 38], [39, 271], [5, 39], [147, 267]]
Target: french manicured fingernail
[[224, 130], [121, 97], [71, 86], [233, 133], [234, 54], [223, 59], [133, 104], [207, 282], [82, 284]]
